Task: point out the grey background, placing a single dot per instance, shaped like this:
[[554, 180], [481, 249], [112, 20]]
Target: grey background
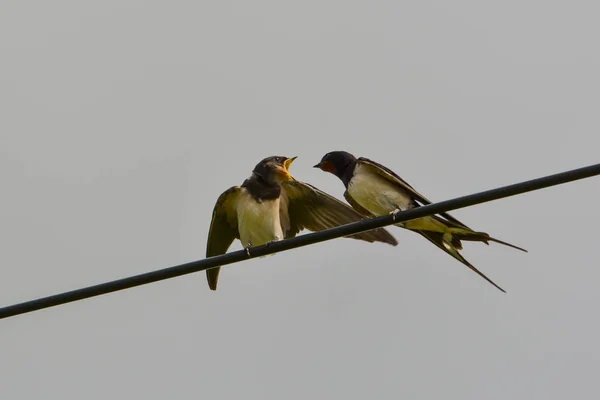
[[122, 121]]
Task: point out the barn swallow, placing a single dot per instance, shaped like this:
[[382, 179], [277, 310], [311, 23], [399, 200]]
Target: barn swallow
[[374, 190], [271, 205]]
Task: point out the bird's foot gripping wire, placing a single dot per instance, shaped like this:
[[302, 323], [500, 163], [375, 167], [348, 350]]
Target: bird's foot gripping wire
[[395, 212], [269, 243], [277, 239]]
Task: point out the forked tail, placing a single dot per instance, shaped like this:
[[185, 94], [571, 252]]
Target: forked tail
[[437, 239]]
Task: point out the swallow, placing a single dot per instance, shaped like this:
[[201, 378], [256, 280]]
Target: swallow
[[272, 205], [374, 190]]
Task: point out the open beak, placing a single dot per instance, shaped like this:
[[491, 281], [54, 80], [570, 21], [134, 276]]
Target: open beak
[[283, 170], [288, 162]]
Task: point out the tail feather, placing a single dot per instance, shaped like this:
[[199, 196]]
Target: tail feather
[[437, 239], [506, 244], [473, 236], [460, 233]]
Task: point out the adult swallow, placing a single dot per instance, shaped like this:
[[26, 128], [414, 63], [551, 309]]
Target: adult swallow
[[271, 205], [374, 190]]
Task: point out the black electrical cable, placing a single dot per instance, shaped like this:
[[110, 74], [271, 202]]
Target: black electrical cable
[[299, 241]]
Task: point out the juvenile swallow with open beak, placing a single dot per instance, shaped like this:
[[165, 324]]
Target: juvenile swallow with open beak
[[374, 190], [271, 205]]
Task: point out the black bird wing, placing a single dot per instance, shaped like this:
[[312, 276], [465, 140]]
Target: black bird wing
[[434, 237], [401, 183], [223, 230], [303, 206], [394, 178]]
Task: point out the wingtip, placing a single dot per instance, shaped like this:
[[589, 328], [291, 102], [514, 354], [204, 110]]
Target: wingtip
[[212, 277], [383, 235], [386, 237]]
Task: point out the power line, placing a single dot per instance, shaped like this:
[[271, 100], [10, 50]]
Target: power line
[[299, 241]]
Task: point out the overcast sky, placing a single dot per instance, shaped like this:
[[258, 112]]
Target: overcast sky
[[122, 122]]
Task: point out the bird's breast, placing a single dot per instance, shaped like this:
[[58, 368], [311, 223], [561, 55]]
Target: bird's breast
[[375, 193], [258, 221]]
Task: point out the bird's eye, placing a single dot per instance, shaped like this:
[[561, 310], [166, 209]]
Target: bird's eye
[[278, 159]]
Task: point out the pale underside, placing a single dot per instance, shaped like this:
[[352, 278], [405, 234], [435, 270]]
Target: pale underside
[[258, 222], [380, 197]]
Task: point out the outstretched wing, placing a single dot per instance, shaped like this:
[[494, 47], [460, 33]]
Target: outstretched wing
[[394, 178], [305, 207], [223, 230]]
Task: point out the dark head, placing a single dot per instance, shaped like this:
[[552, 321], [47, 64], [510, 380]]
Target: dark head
[[274, 169], [339, 163]]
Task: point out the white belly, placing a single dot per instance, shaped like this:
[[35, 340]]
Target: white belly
[[375, 193], [259, 223]]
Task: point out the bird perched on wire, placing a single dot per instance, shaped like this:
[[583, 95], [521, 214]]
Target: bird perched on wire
[[271, 205], [374, 190]]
